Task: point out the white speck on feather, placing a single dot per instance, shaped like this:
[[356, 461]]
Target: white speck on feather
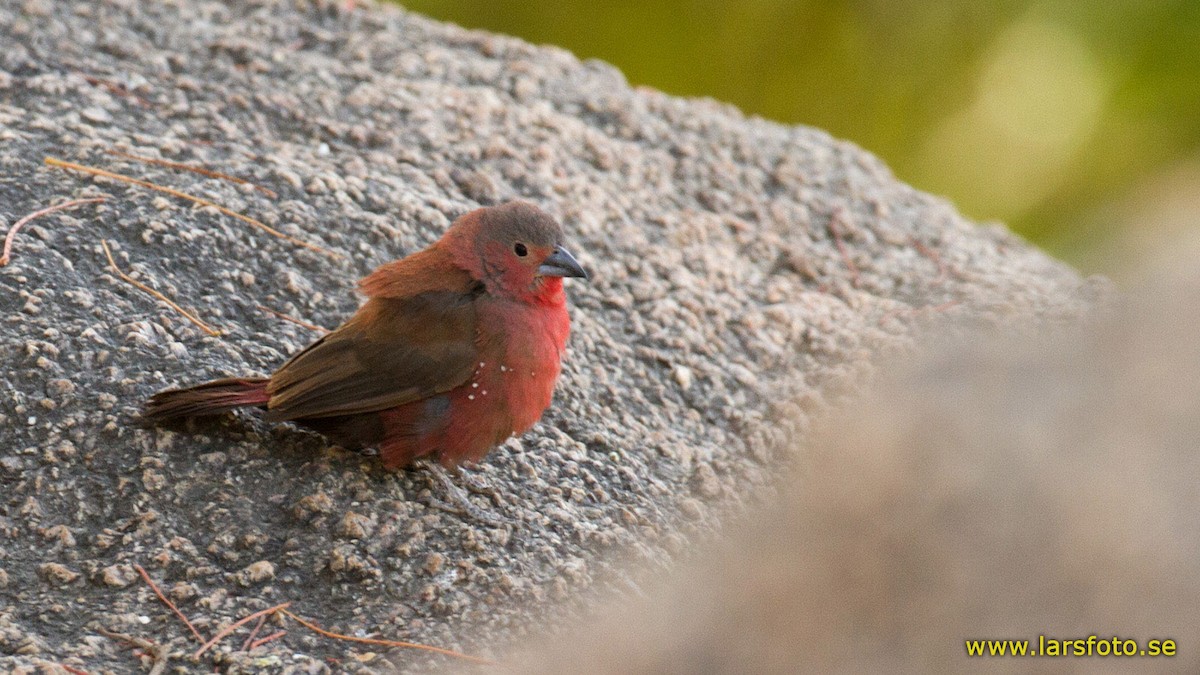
[[471, 396]]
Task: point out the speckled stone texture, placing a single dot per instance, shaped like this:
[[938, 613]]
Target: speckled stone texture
[[746, 277]]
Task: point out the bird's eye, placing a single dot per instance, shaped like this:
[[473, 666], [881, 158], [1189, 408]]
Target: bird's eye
[[520, 249]]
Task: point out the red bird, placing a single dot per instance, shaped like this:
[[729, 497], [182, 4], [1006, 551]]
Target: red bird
[[456, 349]]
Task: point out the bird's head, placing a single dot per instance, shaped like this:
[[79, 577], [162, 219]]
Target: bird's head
[[515, 249]]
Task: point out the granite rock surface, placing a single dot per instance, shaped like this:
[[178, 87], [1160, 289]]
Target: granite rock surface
[[746, 276]]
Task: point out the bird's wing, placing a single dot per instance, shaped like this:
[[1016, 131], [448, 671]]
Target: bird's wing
[[393, 351]]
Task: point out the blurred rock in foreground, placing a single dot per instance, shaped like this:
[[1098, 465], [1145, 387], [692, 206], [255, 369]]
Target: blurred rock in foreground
[[1003, 489]]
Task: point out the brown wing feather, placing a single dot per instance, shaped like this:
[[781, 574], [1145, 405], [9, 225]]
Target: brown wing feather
[[431, 269], [393, 351]]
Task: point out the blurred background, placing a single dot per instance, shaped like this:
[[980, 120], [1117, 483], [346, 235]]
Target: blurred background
[[1075, 123]]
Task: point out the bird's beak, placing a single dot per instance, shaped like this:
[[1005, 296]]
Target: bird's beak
[[560, 263]]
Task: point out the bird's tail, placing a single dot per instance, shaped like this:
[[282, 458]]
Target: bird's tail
[[210, 398]]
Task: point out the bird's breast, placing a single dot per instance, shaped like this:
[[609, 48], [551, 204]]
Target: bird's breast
[[520, 349], [527, 354]]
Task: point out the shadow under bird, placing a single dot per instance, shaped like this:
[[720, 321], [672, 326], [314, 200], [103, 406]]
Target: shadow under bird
[[457, 348]]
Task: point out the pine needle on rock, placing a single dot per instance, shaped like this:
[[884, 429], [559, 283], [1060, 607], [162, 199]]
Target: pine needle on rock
[[12, 232], [128, 279], [62, 164]]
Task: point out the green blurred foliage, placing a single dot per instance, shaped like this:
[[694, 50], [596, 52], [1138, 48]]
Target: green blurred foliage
[[1044, 114]]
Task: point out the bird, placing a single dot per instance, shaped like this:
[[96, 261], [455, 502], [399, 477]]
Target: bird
[[457, 347]]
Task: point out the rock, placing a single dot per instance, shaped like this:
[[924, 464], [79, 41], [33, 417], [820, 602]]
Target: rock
[[1046, 477], [354, 526], [683, 376], [118, 575], [705, 482], [57, 573], [719, 297], [434, 562], [256, 573]]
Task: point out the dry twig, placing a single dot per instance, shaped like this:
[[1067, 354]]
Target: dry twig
[[165, 599], [262, 641], [154, 650], [52, 161], [257, 627], [385, 643], [234, 626], [71, 669], [294, 320], [194, 169], [190, 317], [12, 232]]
